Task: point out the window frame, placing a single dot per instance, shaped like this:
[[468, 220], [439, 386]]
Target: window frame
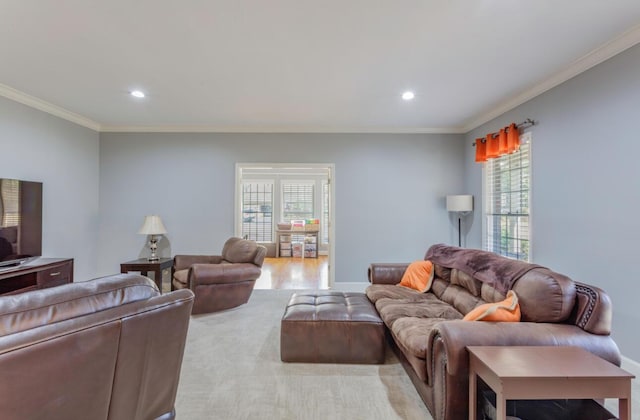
[[525, 140]]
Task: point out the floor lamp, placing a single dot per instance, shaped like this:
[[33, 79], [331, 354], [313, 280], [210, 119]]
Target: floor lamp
[[463, 205]]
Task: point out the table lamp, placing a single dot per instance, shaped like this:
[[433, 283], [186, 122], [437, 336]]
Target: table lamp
[[153, 226]]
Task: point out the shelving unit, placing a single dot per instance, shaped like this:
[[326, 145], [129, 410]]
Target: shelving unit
[[296, 243]]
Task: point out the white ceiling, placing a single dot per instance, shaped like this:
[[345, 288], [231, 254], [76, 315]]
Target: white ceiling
[[299, 65]]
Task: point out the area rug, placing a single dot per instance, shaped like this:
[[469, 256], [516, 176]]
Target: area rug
[[232, 370]]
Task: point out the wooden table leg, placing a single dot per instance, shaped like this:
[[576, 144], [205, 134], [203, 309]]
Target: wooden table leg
[[624, 409], [473, 390], [501, 406], [158, 279]]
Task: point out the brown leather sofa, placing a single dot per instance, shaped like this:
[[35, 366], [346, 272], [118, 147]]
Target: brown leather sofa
[[430, 337], [220, 281], [109, 348]]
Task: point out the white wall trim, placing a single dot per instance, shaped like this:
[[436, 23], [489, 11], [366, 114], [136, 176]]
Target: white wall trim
[[631, 365], [268, 129], [39, 104], [584, 63]]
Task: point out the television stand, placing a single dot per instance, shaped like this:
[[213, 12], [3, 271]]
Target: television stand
[[38, 273], [11, 265]]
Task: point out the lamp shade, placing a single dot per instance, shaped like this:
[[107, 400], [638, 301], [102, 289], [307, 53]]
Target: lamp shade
[[152, 226], [460, 203]]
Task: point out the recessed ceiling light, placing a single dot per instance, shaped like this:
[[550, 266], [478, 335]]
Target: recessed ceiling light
[[137, 93], [408, 95]]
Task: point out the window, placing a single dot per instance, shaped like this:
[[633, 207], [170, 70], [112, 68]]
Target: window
[[257, 211], [507, 197], [297, 201]]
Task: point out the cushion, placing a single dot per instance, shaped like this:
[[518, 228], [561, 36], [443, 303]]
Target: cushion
[[389, 291], [418, 276], [391, 310], [237, 250], [182, 276], [463, 279], [24, 311], [507, 310]]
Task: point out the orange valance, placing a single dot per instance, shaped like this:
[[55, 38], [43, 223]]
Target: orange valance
[[504, 142]]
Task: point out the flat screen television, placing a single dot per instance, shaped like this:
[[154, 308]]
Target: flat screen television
[[20, 221]]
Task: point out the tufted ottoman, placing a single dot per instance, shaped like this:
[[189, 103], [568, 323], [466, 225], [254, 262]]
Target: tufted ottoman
[[331, 327]]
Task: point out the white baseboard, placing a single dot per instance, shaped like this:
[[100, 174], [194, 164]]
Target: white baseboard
[[631, 365]]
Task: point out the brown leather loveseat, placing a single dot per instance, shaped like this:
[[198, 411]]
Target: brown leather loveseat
[[428, 330], [109, 348]]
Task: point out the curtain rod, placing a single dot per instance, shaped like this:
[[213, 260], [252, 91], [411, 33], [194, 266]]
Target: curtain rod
[[524, 124]]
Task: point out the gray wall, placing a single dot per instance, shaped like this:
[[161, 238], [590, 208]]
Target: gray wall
[[585, 183], [63, 156], [389, 191]]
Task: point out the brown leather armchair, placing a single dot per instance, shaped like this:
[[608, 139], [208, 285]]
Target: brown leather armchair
[[109, 348], [220, 281]]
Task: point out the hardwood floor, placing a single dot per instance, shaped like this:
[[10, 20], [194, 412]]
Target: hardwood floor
[[294, 273]]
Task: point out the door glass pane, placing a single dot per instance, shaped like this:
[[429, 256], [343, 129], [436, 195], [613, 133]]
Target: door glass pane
[[257, 206]]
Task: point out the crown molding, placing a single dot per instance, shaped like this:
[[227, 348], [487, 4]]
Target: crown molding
[[627, 40], [39, 104], [273, 130]]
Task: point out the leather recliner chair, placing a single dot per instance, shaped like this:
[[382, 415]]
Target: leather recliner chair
[[220, 281], [109, 348]]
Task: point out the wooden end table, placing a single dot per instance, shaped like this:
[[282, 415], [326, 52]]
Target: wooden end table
[[143, 265], [546, 372]]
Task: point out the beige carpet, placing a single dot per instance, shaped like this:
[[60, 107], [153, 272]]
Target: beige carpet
[[232, 370]]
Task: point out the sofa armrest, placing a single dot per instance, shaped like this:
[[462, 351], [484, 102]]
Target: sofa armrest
[[593, 310], [200, 274], [182, 262], [454, 336], [386, 273]]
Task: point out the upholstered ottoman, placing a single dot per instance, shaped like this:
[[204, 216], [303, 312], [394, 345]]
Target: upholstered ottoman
[[331, 327]]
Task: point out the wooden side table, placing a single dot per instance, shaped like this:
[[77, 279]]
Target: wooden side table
[[546, 372], [143, 265]]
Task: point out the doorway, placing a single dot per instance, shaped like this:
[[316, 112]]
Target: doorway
[[271, 196]]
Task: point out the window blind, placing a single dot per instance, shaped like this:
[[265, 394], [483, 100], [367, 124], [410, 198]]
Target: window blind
[[9, 202], [507, 209], [297, 201]]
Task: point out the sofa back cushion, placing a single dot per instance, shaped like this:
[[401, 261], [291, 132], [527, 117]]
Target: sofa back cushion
[[238, 250], [473, 277], [25, 311], [545, 296], [462, 279], [455, 294]]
